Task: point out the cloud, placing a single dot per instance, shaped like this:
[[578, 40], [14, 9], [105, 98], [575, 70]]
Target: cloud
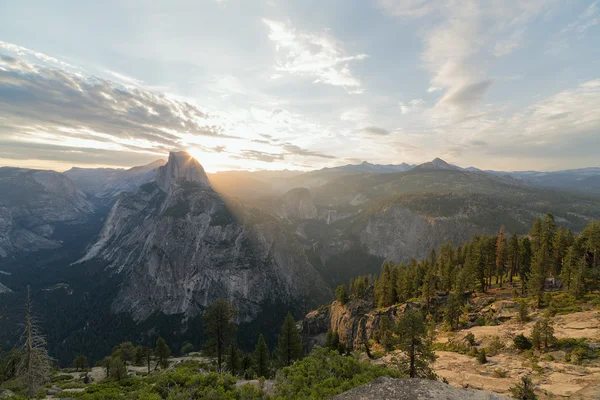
[[259, 156], [457, 43], [408, 8], [45, 106], [318, 56], [411, 106], [298, 151], [374, 130], [465, 96]]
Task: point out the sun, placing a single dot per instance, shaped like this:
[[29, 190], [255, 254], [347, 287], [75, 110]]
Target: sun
[[209, 161]]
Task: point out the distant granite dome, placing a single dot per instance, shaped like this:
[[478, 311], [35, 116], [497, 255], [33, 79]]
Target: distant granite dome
[[180, 167], [297, 203]]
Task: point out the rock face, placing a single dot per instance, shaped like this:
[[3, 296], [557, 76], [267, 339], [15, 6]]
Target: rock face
[[296, 204], [4, 289], [398, 233], [108, 183], [386, 388], [355, 322], [180, 247], [32, 202], [181, 167]]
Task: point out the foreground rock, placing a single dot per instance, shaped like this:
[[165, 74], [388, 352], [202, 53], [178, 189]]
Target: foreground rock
[[386, 388]]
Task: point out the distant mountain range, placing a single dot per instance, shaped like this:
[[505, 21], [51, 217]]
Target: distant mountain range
[[148, 248]]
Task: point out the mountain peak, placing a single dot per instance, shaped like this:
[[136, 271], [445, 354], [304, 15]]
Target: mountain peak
[[437, 163], [180, 167]]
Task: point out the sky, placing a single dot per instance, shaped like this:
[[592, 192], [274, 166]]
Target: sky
[[273, 84]]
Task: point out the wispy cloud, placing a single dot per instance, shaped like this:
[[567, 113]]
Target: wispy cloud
[[319, 56]]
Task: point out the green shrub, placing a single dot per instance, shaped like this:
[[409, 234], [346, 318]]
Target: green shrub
[[481, 357], [522, 342], [325, 373]]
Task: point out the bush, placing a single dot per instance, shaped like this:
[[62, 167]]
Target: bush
[[470, 339], [481, 357], [500, 373], [522, 342], [496, 346], [326, 373], [523, 390]]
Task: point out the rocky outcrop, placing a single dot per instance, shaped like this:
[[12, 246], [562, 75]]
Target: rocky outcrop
[[355, 322], [181, 167], [386, 388], [180, 247], [32, 202], [296, 204]]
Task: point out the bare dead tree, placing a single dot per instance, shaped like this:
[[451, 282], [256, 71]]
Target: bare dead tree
[[35, 365]]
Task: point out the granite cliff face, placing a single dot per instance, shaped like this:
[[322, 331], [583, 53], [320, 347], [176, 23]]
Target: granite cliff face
[[179, 247], [355, 322], [296, 204], [32, 203]]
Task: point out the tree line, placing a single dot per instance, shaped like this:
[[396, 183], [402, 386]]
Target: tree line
[[548, 256]]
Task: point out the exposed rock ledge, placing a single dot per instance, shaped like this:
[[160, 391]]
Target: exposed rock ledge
[[386, 388]]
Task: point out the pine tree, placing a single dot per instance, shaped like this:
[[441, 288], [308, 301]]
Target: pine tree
[[524, 261], [536, 235], [513, 257], [233, 358], [537, 277], [262, 360], [34, 369], [80, 363], [218, 322], [428, 288], [341, 295], [452, 312], [289, 343], [415, 345], [162, 352], [523, 390], [501, 255]]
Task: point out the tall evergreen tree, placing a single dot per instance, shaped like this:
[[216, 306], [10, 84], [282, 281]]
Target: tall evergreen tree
[[234, 358], [218, 322], [162, 352], [537, 277], [452, 312], [262, 361], [415, 344], [501, 255], [524, 261], [34, 368], [512, 256], [289, 342]]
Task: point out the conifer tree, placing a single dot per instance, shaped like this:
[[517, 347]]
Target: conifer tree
[[233, 358], [218, 322], [341, 295], [452, 312], [289, 343], [512, 257], [262, 361], [34, 368], [162, 352], [501, 255], [524, 261], [415, 344], [537, 277]]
